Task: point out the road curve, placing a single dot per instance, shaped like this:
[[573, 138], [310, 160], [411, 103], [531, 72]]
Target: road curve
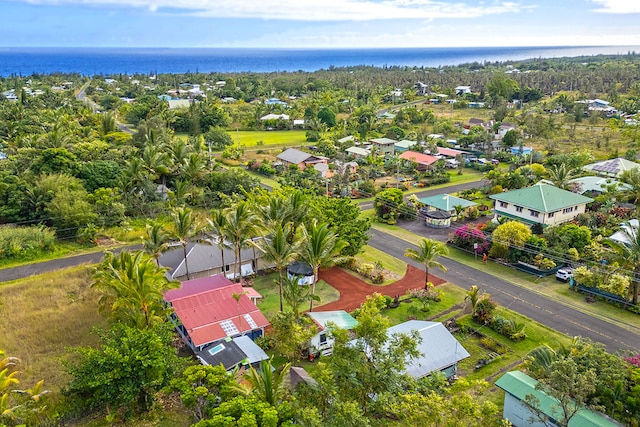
[[540, 308]]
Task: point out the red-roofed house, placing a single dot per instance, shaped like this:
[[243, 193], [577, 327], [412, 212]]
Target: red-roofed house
[[206, 311], [424, 161]]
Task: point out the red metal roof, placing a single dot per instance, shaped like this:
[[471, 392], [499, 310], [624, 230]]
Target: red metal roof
[[203, 304], [449, 151], [420, 158]]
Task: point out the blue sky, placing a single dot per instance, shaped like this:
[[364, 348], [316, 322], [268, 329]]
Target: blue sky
[[313, 23]]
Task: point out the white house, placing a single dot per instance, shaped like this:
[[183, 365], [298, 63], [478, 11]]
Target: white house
[[461, 90], [539, 204], [322, 342]]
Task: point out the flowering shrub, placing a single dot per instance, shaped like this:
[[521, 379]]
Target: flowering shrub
[[634, 360], [466, 236]]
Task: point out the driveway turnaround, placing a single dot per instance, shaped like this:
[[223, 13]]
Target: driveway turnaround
[[353, 291]]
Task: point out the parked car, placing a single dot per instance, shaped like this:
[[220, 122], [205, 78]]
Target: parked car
[[564, 274]]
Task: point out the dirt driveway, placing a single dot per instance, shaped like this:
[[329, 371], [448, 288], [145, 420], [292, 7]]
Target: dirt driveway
[[354, 291]]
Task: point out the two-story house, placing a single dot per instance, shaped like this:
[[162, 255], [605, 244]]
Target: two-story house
[[539, 204]]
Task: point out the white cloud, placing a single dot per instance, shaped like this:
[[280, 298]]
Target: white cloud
[[618, 6], [314, 10]]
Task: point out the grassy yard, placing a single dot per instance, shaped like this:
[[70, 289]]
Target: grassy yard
[[270, 302], [268, 138], [396, 268]]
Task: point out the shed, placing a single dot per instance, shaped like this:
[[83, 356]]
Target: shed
[[437, 219], [303, 270]]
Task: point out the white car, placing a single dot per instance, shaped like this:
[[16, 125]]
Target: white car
[[564, 274]]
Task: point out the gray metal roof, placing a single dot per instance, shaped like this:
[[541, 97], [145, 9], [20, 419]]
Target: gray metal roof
[[295, 156], [253, 352], [439, 348], [201, 257]]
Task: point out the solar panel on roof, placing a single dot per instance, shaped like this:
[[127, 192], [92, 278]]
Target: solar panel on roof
[[250, 321], [229, 328]]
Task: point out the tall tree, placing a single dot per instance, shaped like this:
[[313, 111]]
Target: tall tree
[[155, 241], [132, 286], [240, 225], [319, 247], [218, 226], [428, 253], [185, 228], [276, 248]]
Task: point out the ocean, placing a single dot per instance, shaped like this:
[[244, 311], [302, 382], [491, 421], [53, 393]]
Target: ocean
[[107, 61]]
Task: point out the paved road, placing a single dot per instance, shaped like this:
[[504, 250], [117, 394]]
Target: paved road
[[81, 96], [21, 272], [426, 193], [538, 307]]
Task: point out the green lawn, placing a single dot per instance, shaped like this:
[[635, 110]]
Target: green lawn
[[396, 267], [260, 138], [269, 304]]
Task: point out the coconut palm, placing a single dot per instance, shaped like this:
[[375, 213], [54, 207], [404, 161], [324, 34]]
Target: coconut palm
[[427, 254], [218, 226], [185, 228], [631, 192], [629, 255], [319, 247], [560, 175], [240, 225], [133, 287], [276, 248], [473, 296], [156, 241]]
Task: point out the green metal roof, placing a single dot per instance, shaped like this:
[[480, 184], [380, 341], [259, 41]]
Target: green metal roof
[[519, 384], [542, 198], [446, 202], [339, 318]]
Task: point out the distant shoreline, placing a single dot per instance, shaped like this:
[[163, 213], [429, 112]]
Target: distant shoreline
[[104, 61]]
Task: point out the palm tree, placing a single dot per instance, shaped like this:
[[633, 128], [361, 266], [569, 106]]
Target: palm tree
[[156, 241], [218, 226], [132, 287], [320, 247], [185, 228], [427, 254], [240, 224], [298, 203], [473, 296], [267, 383], [629, 255], [295, 294], [560, 175], [276, 248]]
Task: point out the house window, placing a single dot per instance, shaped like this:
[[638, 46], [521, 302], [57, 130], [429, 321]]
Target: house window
[[518, 208], [567, 210], [533, 213], [323, 338], [503, 204], [551, 214]]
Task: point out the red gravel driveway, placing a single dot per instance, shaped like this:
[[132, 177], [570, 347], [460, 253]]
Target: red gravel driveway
[[354, 291]]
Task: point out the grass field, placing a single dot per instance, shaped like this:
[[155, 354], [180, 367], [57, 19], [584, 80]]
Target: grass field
[[268, 138]]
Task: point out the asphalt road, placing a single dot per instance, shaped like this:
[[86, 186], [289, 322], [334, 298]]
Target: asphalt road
[[426, 193], [540, 308], [28, 270]]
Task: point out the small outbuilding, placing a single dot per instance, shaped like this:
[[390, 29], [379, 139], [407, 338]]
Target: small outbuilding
[[322, 342], [303, 271]]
